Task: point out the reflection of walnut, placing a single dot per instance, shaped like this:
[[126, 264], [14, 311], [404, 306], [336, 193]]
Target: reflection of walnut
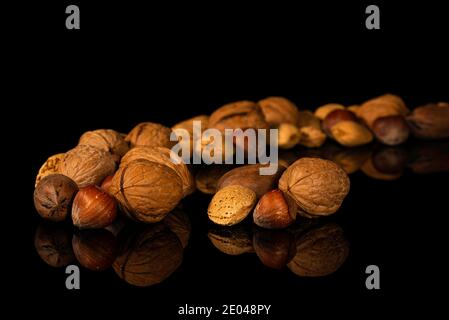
[[148, 255], [162, 156], [87, 165], [146, 190], [151, 135], [50, 166], [278, 110], [107, 140], [318, 186], [178, 222], [320, 252]]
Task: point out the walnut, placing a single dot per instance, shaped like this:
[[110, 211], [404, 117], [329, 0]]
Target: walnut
[[147, 255], [278, 110], [161, 155], [320, 252], [242, 114], [146, 190], [386, 105], [87, 165], [151, 135], [50, 166], [107, 140], [430, 121], [318, 186]]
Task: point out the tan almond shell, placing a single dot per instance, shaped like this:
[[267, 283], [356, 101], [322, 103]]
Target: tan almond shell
[[278, 110], [107, 140], [151, 135]]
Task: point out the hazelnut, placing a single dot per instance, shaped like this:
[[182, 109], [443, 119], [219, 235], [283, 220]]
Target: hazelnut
[[391, 130], [248, 176], [51, 166], [53, 196], [53, 244], [107, 140], [95, 249], [430, 121], [275, 248], [151, 135], [146, 191], [106, 184], [288, 136], [231, 205], [275, 210], [323, 111], [311, 137], [336, 116], [278, 110], [351, 134], [87, 165], [317, 186], [93, 208], [233, 240]]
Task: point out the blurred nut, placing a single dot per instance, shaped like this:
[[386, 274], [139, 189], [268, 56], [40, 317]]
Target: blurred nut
[[352, 159], [391, 130], [53, 244], [278, 110], [323, 111], [429, 157], [430, 121], [383, 106], [51, 166], [351, 134], [390, 160], [150, 134], [336, 116], [233, 241], [275, 248], [275, 210], [308, 119], [179, 223], [288, 136], [371, 171], [311, 137]]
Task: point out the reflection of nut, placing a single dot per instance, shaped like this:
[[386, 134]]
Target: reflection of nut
[[430, 121], [274, 248], [288, 136], [390, 160], [311, 137], [430, 157], [351, 134], [233, 241], [323, 111], [370, 170], [50, 166], [320, 252], [231, 205], [278, 110], [179, 223], [351, 159], [53, 244]]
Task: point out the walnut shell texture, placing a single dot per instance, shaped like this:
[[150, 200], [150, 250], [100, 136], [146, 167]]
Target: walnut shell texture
[[87, 165], [107, 140], [50, 166], [151, 135], [278, 110], [161, 155], [318, 186], [146, 190]]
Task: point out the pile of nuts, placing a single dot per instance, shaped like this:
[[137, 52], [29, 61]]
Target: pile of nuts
[[109, 173]]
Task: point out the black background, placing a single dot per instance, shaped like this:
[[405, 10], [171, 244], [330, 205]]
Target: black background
[[165, 62]]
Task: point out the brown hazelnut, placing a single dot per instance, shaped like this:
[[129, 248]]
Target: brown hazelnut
[[323, 111], [320, 252], [93, 208], [430, 121], [233, 240], [391, 130], [146, 191], [148, 255], [53, 244], [275, 210], [275, 248], [288, 136], [390, 160], [311, 137], [151, 135], [107, 140], [351, 134], [248, 176], [95, 249], [87, 165], [318, 186], [336, 116], [53, 197], [106, 184], [278, 110], [51, 166]]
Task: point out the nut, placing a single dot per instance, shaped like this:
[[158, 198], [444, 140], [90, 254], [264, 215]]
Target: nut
[[53, 197], [318, 186], [275, 210], [275, 248], [93, 208], [233, 241], [353, 108], [107, 140], [429, 157], [150, 134], [323, 111], [391, 130], [231, 205], [371, 171], [87, 165], [311, 137], [386, 105], [390, 160], [95, 249], [288, 136], [53, 245], [50, 166], [278, 110], [106, 184], [248, 176], [351, 160], [308, 119], [147, 255], [336, 116], [430, 121], [207, 177], [179, 223], [351, 134], [320, 252], [163, 156], [188, 124], [146, 191], [241, 114]]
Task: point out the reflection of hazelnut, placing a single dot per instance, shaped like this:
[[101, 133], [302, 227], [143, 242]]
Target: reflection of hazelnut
[[53, 244], [391, 130], [274, 248], [275, 210], [390, 160], [371, 171], [233, 241]]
